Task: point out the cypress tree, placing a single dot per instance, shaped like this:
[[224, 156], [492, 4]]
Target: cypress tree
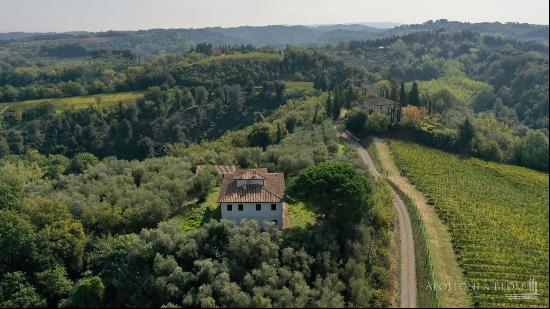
[[402, 94], [328, 106], [279, 133], [314, 120], [394, 92], [414, 96]]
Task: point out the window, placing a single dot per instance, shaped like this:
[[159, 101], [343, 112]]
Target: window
[[273, 207], [258, 207], [240, 207], [229, 207]]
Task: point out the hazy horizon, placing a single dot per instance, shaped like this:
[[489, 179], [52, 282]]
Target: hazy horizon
[[103, 15]]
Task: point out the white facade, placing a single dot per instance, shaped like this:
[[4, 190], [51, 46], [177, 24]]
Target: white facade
[[236, 212]]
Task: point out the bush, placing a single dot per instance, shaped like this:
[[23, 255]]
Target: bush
[[260, 136], [490, 151], [355, 122], [411, 115], [82, 161], [378, 123], [532, 151], [292, 121]]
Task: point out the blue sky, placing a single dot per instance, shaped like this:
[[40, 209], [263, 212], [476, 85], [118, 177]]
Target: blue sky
[[98, 15]]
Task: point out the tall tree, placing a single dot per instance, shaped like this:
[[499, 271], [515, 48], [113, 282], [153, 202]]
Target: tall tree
[[466, 135], [414, 95], [328, 106], [402, 94]]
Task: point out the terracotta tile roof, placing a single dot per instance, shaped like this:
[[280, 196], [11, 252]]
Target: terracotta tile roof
[[222, 169], [271, 192], [260, 173]]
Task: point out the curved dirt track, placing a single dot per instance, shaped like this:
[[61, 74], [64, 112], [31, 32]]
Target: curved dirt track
[[406, 254]]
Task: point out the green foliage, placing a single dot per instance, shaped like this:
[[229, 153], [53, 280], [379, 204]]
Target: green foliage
[[16, 292], [292, 121], [11, 195], [54, 284], [466, 135], [356, 121], [260, 136], [532, 151], [378, 123], [64, 234], [61, 104], [414, 95], [490, 151], [461, 90], [203, 182], [300, 215], [455, 68], [497, 216], [235, 266], [87, 293], [17, 240], [81, 162], [335, 189], [200, 213]]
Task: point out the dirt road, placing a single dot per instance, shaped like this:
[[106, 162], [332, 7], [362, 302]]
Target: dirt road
[[442, 256], [407, 256]]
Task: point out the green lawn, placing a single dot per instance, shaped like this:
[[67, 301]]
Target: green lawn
[[80, 102], [300, 215], [200, 213]]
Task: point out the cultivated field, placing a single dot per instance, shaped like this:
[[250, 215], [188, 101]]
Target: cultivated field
[[498, 218], [243, 56], [72, 102]]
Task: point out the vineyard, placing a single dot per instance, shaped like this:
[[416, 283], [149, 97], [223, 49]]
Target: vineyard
[[498, 219]]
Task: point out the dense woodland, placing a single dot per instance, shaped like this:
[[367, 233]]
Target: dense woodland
[[89, 232], [92, 200]]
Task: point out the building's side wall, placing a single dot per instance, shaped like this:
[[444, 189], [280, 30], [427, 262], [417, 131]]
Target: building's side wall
[[249, 212]]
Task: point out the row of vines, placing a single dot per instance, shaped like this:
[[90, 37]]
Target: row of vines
[[498, 219]]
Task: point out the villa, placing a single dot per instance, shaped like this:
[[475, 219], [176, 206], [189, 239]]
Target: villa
[[253, 194]]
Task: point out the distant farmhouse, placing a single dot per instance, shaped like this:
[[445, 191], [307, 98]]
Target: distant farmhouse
[[252, 194], [385, 106]]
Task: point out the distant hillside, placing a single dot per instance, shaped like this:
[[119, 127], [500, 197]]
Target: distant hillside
[[515, 31], [162, 41]]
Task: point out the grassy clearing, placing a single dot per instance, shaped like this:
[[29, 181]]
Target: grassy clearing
[[241, 56], [497, 216], [299, 86], [300, 215], [61, 104], [200, 213], [299, 89]]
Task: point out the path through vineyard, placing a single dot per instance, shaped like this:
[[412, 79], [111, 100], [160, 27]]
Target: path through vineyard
[[407, 255], [445, 266]]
